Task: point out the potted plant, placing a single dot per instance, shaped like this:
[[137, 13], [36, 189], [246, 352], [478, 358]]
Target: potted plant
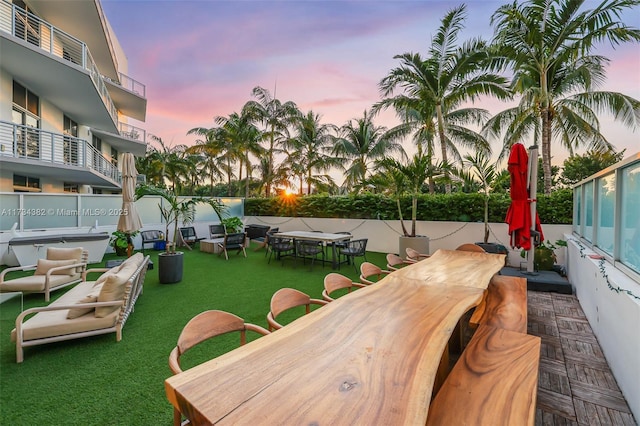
[[174, 210], [408, 178], [232, 224], [544, 256], [120, 241], [479, 167]]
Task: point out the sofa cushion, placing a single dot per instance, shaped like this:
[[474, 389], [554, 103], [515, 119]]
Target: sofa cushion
[[59, 253], [62, 253], [114, 288], [89, 298], [45, 264], [136, 259], [55, 323], [35, 283]]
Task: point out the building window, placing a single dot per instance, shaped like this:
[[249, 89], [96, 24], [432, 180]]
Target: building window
[[26, 115], [25, 183], [70, 141], [71, 187], [96, 158]]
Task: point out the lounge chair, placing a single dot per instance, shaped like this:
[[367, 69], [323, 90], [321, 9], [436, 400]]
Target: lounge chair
[[61, 267]]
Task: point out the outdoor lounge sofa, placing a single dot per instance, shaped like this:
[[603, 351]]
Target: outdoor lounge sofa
[[88, 309]]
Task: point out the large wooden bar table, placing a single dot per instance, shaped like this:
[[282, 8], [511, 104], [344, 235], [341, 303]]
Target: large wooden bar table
[[369, 357]]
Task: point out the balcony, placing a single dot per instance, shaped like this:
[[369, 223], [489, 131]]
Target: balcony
[[56, 48], [24, 147]]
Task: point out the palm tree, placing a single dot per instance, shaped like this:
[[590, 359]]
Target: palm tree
[[242, 138], [433, 89], [309, 150], [276, 117], [547, 44], [362, 142], [479, 166], [211, 149], [406, 178]]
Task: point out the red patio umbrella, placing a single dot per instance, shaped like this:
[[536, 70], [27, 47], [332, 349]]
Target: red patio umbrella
[[519, 212]]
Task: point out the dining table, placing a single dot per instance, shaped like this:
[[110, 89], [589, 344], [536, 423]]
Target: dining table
[[327, 239], [369, 357]]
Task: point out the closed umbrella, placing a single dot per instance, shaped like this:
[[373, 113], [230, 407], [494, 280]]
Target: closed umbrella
[[519, 213], [129, 220]]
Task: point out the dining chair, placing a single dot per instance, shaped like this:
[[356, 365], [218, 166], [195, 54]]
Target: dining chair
[[471, 247], [414, 254], [289, 298], [334, 282], [280, 247], [368, 271], [203, 327], [353, 249], [395, 262], [308, 249], [236, 241]]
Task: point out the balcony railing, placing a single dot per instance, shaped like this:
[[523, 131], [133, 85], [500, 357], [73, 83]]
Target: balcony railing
[[30, 28], [31, 143], [129, 84], [605, 213], [132, 132]]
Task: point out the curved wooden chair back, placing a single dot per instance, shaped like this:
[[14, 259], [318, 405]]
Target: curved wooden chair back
[[368, 270], [334, 282], [470, 247], [395, 262], [288, 298], [204, 326], [415, 255]]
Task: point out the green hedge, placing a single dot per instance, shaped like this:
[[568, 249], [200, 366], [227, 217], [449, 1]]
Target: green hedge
[[553, 209]]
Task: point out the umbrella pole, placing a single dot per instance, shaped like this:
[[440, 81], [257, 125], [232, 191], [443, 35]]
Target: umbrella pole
[[533, 189]]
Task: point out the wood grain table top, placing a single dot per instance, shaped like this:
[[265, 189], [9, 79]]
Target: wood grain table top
[[370, 357]]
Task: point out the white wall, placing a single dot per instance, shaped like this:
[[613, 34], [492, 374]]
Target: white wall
[[613, 316], [383, 234]]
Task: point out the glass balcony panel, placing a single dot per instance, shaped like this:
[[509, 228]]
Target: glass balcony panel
[[630, 217], [63, 209], [606, 213], [588, 211]]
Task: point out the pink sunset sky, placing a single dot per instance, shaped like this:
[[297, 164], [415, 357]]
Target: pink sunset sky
[[201, 59]]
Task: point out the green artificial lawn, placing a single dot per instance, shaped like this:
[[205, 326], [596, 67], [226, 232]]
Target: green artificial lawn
[[98, 381]]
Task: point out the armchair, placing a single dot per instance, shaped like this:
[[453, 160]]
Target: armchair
[[61, 267]]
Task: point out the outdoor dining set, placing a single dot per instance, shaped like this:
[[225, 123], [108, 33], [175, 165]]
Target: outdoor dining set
[[314, 246]]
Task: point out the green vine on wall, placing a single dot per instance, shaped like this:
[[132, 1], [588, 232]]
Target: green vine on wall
[[603, 271]]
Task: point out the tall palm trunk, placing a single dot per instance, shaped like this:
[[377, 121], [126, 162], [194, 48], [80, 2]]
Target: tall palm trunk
[[443, 147], [546, 133], [546, 150], [270, 168]]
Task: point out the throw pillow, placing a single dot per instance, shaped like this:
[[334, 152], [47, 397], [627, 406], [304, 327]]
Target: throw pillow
[[114, 288], [78, 312], [44, 265]]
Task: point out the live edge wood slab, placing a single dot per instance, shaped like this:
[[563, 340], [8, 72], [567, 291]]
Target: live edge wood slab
[[369, 357]]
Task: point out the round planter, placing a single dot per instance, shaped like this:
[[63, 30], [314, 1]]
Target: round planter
[[170, 266], [419, 243]]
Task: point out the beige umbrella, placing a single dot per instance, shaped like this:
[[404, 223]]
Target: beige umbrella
[[129, 220]]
